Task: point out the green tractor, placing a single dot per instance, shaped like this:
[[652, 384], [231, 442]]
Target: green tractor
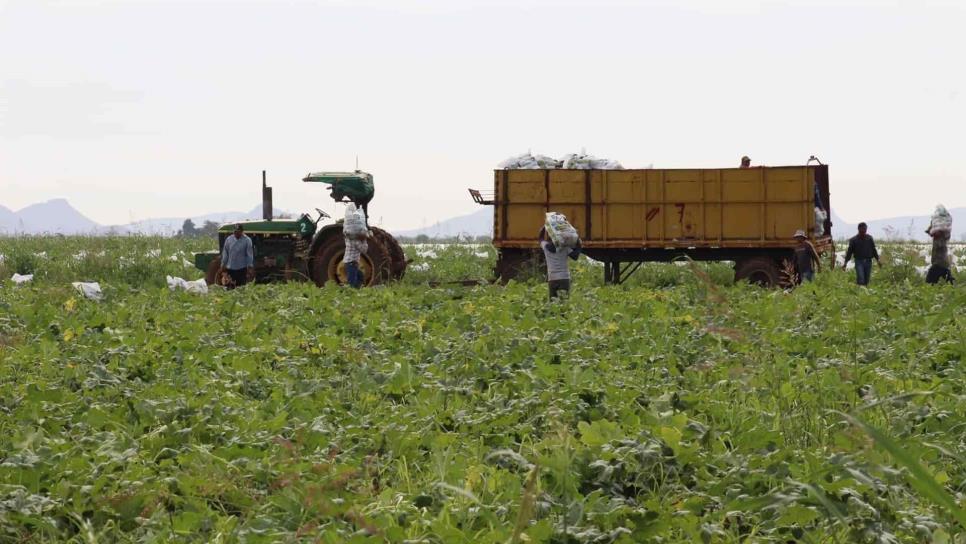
[[306, 249]]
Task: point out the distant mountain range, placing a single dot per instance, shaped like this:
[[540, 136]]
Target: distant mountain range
[[54, 216], [906, 227], [59, 217], [478, 223]]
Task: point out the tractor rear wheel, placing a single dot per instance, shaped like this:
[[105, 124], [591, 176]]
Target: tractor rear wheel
[[397, 267], [328, 266], [763, 271]]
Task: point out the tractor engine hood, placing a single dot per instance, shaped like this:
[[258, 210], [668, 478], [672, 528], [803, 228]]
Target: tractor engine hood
[[355, 186]]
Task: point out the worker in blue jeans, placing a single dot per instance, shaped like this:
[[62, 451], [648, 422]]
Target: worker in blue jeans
[[862, 246], [354, 248]]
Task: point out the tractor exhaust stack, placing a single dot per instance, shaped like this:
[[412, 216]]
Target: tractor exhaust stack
[[266, 200]]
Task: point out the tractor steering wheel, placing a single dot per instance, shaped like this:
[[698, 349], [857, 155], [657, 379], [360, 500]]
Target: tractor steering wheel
[[322, 215]]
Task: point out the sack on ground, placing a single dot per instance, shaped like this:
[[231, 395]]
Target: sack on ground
[[90, 290], [354, 225], [197, 286], [18, 278], [561, 233]]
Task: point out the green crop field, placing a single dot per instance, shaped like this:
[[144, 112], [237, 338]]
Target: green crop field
[[677, 408]]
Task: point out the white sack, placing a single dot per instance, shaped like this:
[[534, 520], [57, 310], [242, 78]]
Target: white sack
[[175, 283], [561, 233], [605, 164], [90, 290], [197, 286], [941, 220], [573, 161], [354, 225], [547, 162], [18, 279], [527, 161], [820, 217], [583, 161], [520, 162]]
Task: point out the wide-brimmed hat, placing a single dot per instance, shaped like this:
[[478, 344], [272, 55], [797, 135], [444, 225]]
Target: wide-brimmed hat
[[800, 234]]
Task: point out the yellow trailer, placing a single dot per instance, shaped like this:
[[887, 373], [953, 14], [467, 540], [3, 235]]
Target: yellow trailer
[[626, 217]]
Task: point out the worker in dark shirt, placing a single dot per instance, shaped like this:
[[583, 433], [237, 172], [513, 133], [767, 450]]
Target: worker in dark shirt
[[862, 246], [805, 258]]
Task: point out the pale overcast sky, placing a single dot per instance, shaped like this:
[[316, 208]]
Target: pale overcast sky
[[141, 109]]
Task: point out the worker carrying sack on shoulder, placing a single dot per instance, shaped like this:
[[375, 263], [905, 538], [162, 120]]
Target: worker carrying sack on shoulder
[[562, 233], [354, 226]]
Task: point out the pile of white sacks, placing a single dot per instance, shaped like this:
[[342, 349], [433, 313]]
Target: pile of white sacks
[[570, 161]]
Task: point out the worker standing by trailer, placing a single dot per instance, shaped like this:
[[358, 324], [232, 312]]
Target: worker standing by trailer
[[806, 258], [559, 243]]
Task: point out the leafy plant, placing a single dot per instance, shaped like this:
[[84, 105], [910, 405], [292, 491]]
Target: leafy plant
[[678, 407]]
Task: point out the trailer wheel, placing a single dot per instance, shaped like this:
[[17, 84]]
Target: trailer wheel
[[763, 271]]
